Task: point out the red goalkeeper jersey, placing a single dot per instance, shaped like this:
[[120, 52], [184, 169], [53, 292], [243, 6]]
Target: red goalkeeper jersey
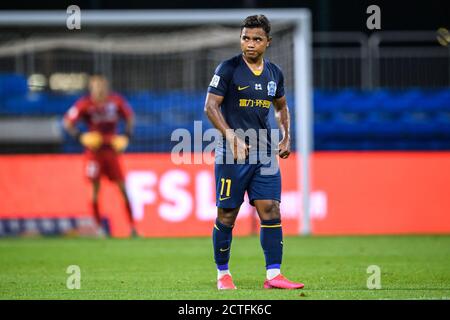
[[102, 117]]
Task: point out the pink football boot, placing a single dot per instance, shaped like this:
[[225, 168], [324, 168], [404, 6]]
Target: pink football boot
[[226, 283], [280, 282]]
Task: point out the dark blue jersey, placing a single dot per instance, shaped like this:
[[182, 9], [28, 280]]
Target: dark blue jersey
[[247, 97]]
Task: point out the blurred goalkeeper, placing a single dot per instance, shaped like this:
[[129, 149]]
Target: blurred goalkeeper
[[102, 110]]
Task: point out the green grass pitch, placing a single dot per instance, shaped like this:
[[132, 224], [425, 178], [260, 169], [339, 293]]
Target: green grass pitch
[[412, 267]]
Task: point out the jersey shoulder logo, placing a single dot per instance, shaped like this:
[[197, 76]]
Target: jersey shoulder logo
[[73, 112], [215, 81], [271, 88]]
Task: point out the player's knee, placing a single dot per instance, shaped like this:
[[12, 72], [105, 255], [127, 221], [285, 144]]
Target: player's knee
[[227, 220], [227, 216], [271, 211]]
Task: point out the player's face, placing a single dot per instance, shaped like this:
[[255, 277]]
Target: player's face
[[254, 42], [99, 88]]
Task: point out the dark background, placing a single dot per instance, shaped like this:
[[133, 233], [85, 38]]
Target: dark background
[[336, 15]]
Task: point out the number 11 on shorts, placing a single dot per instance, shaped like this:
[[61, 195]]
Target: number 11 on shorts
[[224, 181]]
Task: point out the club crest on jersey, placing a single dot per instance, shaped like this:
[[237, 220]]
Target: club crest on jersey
[[271, 88], [258, 86]]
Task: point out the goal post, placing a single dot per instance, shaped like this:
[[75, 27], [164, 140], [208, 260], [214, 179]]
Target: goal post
[[299, 21]]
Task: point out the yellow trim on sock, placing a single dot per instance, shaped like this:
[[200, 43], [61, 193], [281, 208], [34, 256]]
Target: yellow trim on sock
[[273, 226]]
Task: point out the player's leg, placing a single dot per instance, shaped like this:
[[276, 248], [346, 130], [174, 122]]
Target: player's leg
[[113, 170], [265, 193], [93, 173], [271, 235], [94, 202], [223, 236], [222, 239], [231, 182], [123, 191]]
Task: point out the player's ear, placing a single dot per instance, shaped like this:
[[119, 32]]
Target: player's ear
[[269, 40]]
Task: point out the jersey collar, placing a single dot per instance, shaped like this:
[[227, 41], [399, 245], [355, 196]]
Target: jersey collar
[[255, 73]]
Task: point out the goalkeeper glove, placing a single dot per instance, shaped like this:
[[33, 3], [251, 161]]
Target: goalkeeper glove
[[91, 140], [120, 142]]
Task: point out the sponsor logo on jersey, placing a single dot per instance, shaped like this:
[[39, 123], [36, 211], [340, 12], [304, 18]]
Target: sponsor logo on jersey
[[73, 112], [254, 103], [107, 114], [111, 111]]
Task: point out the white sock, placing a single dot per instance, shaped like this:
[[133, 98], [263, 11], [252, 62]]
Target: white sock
[[272, 273], [221, 273]]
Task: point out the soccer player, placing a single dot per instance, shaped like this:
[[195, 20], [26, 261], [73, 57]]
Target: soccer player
[[102, 110], [239, 97]]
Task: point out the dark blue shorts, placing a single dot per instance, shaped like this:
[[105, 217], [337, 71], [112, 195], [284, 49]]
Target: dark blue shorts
[[232, 180]]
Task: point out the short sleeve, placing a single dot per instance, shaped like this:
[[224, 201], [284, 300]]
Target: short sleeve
[[280, 85], [221, 79], [75, 112]]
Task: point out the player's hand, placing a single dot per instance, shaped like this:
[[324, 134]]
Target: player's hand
[[284, 148], [239, 148], [120, 142], [91, 140]]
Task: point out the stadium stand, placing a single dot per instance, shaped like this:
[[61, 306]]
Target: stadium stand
[[348, 119]]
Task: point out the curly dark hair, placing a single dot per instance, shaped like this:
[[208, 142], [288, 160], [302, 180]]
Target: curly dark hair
[[257, 21]]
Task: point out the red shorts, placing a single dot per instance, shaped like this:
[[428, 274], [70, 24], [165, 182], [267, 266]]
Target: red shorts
[[103, 162]]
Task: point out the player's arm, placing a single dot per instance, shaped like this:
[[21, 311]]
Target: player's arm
[[71, 129], [127, 114], [69, 121], [283, 118], [129, 125], [91, 140], [212, 110], [120, 142]]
